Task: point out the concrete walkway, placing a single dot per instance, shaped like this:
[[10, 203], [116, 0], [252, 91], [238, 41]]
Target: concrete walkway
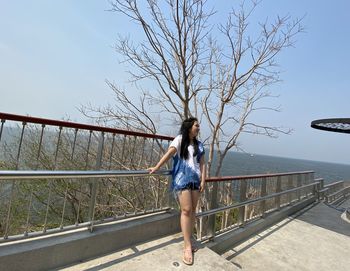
[[158, 255], [315, 239]]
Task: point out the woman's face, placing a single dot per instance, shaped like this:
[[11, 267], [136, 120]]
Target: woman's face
[[194, 129]]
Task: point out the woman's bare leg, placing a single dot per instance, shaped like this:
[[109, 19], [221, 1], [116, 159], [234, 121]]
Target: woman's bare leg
[[194, 197], [185, 199]]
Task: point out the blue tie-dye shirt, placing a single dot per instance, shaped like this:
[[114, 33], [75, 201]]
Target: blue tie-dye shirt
[[186, 171]]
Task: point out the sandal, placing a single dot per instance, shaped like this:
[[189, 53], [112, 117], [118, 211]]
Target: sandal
[[187, 256]]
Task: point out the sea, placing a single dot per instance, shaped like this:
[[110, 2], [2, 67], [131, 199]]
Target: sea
[[237, 163]]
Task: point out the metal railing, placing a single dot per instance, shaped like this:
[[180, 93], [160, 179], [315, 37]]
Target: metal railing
[[46, 201], [42, 174], [62, 210], [339, 195], [57, 175], [333, 187], [241, 199], [255, 195], [36, 143]]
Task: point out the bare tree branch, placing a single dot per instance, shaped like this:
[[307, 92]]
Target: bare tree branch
[[223, 77]]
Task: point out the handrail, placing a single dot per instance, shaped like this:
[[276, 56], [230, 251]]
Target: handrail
[[61, 174], [63, 145], [78, 174], [49, 174], [339, 191], [243, 177], [75, 125], [240, 204], [43, 174], [333, 184]]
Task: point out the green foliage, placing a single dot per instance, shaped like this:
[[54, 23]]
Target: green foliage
[[232, 219]]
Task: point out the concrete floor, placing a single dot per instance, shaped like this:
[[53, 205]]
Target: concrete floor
[[314, 239], [158, 255], [317, 239]]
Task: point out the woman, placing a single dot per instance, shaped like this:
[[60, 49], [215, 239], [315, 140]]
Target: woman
[[188, 177]]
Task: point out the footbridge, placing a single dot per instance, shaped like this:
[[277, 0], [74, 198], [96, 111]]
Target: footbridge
[[76, 197]]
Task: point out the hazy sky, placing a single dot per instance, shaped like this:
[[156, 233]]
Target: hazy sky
[[56, 55]]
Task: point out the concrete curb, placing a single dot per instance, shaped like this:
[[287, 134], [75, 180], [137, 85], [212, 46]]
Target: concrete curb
[[66, 248]]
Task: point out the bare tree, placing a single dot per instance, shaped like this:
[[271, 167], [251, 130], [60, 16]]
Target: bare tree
[[219, 73], [171, 56], [220, 79], [239, 76]]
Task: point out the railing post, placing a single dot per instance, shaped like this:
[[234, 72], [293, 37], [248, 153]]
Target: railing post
[[320, 187], [312, 177], [213, 205], [263, 194], [242, 197], [278, 189], [94, 182], [2, 127], [290, 186], [306, 181], [298, 185], [321, 195]]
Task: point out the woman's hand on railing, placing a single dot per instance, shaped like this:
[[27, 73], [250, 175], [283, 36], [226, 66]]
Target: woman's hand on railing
[[151, 170], [163, 160]]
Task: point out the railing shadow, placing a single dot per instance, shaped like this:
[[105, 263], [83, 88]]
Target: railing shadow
[[327, 217], [262, 235], [137, 252]]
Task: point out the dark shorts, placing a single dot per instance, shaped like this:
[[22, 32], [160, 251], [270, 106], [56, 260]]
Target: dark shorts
[[189, 186]]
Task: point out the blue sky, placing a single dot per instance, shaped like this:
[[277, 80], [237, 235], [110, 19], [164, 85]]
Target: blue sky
[[56, 55]]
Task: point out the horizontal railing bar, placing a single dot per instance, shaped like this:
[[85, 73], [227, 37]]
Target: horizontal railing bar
[[43, 174], [333, 184], [241, 204], [318, 179], [323, 190], [243, 177], [339, 191], [39, 174], [75, 125]]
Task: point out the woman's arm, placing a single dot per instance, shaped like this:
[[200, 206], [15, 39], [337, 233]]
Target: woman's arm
[[203, 173], [171, 151]]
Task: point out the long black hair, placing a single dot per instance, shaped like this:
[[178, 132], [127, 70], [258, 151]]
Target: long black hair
[[185, 141]]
